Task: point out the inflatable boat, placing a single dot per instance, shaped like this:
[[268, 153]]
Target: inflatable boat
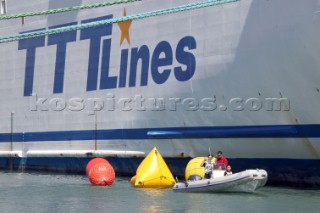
[[245, 181]]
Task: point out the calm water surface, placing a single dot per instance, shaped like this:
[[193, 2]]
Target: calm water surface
[[38, 192]]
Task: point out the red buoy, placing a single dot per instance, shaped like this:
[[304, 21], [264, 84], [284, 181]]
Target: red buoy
[[100, 172]]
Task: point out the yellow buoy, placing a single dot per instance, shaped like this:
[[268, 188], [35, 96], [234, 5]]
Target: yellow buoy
[[153, 172], [133, 180], [194, 167]]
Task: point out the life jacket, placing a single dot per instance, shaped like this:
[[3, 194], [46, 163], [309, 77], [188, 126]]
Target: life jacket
[[227, 173]]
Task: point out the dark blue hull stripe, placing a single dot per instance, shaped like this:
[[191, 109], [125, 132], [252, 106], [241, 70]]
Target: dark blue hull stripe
[[267, 131]]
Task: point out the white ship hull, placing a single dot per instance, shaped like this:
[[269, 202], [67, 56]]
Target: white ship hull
[[241, 77]]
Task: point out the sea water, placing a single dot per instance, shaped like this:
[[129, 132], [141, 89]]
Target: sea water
[[43, 192]]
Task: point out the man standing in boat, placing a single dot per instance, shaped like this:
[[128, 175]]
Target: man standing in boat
[[222, 162], [208, 165]]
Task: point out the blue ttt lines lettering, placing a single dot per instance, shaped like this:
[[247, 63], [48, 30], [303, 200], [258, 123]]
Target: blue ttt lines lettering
[[156, 64]]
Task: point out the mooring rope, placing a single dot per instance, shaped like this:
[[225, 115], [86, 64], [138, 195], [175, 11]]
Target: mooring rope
[[177, 9], [66, 9]]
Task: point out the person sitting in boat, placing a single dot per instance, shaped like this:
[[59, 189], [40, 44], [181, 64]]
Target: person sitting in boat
[[228, 171], [208, 165], [222, 162]]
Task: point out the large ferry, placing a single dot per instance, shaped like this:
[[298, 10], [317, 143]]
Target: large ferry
[[88, 78]]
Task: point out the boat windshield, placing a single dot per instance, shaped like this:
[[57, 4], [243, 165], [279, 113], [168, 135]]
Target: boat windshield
[[219, 166]]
